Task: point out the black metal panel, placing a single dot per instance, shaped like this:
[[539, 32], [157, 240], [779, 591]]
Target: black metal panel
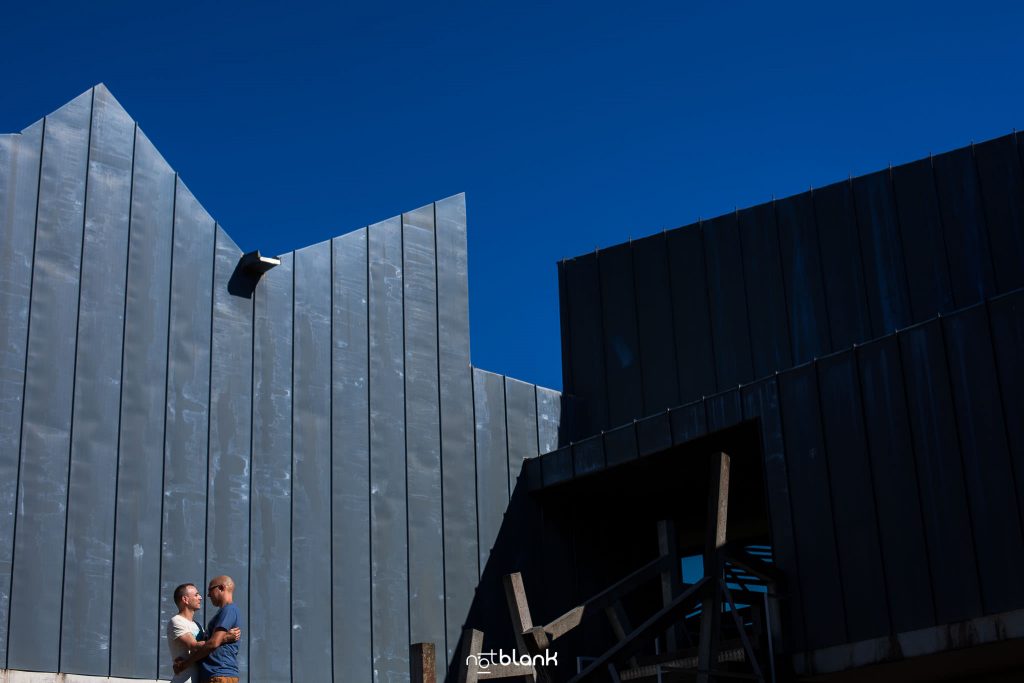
[[855, 522], [620, 445], [423, 430], [839, 244], [940, 475], [761, 401], [885, 277], [586, 337], [588, 455], [1007, 320], [898, 505], [549, 417], [19, 188], [491, 457], [988, 473], [350, 461], [921, 227], [38, 570], [521, 421], [270, 656], [89, 557], [456, 389], [963, 223], [766, 294], [724, 410], [556, 466], [311, 466], [689, 421], [135, 630], [388, 514], [186, 421], [654, 434], [802, 273], [654, 323], [621, 346], [1002, 190], [691, 316], [227, 508], [820, 584], [728, 301]]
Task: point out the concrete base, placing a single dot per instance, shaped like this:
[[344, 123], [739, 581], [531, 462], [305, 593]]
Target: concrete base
[[12, 676]]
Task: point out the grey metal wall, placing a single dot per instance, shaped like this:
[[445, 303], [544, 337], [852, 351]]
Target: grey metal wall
[[321, 438], [669, 318], [894, 474]]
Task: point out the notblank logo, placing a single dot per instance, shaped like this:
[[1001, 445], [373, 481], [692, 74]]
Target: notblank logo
[[485, 660]]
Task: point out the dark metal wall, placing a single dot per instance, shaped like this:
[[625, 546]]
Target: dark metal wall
[[321, 437], [894, 473], [667, 319]]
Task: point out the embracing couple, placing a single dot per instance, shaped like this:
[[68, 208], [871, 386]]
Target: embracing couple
[[211, 655]]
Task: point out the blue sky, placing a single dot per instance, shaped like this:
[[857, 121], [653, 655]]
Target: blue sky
[[569, 125]]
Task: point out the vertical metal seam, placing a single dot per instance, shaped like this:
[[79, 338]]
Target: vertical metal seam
[[508, 453], [440, 436], [983, 234], [405, 430], [252, 453], [120, 405], [291, 482], [24, 383], [708, 307], [874, 494], [901, 244], [636, 327], [476, 468], [1001, 392], [74, 377], [330, 441], [786, 295], [960, 458], [860, 254], [792, 518], [536, 416], [163, 450], [369, 443], [666, 249], [746, 302], [917, 473], [816, 373], [821, 272], [209, 415], [942, 231]]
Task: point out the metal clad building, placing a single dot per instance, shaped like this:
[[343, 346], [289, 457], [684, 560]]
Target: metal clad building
[[318, 434]]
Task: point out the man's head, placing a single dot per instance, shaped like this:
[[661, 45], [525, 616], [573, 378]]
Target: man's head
[[221, 591], [187, 595]]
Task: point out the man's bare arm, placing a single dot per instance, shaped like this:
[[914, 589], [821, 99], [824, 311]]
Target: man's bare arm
[[199, 649]]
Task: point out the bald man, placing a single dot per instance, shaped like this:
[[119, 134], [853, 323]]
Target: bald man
[[218, 664]]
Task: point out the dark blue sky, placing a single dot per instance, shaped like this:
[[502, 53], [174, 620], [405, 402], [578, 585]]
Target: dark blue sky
[[569, 125]]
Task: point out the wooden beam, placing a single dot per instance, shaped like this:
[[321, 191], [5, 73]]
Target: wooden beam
[[718, 508], [422, 663], [472, 646]]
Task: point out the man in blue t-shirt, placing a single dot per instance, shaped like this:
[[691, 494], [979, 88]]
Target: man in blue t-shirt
[[221, 665]]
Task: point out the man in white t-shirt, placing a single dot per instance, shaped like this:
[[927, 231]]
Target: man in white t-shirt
[[185, 635]]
